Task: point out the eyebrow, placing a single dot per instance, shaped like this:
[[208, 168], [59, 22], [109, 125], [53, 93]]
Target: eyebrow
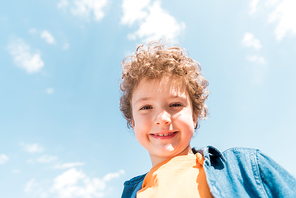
[[142, 99], [148, 98]]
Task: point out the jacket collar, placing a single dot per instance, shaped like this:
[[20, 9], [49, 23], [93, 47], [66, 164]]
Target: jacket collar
[[210, 153]]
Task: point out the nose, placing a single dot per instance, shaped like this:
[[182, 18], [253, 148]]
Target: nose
[[163, 118]]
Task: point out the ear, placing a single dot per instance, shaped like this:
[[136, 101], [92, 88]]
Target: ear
[[133, 123], [195, 118]]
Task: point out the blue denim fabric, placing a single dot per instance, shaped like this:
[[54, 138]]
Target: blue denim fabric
[[237, 172]]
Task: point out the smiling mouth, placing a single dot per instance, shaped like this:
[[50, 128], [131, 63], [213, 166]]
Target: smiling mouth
[[163, 134]]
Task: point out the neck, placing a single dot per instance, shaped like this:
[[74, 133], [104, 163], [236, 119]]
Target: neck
[[158, 159]]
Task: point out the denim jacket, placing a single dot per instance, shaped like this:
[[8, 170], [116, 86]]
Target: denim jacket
[[237, 172]]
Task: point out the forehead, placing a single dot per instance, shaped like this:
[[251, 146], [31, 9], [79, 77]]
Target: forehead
[[163, 87]]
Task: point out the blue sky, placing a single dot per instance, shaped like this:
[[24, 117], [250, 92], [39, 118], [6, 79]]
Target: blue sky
[[62, 134]]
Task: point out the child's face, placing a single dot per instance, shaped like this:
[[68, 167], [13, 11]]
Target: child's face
[[163, 120]]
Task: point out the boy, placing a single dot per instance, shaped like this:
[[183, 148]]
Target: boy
[[163, 97]]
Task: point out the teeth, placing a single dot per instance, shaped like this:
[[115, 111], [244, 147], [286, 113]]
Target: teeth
[[167, 134]]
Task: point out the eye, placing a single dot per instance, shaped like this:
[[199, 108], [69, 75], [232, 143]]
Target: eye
[[146, 107], [176, 105]]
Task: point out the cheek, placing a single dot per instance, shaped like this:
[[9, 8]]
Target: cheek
[[142, 128], [185, 118], [139, 125], [141, 120], [141, 135], [138, 135]]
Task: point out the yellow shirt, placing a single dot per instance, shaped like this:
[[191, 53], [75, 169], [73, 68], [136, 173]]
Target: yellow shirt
[[180, 176]]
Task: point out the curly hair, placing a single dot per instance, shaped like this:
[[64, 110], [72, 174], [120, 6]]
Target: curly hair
[[156, 61]]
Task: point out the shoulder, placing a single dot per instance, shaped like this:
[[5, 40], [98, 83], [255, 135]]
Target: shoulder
[[211, 152], [255, 156], [263, 175], [239, 150], [214, 156], [132, 186], [237, 156], [236, 161], [135, 180], [241, 153]]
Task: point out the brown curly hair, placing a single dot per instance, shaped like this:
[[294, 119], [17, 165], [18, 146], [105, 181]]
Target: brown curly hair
[[156, 61]]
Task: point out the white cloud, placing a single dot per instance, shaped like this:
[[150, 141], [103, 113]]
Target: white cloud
[[155, 23], [49, 91], [253, 6], [69, 177], [47, 37], [85, 8], [110, 176], [70, 184], [69, 165], [44, 34], [32, 148], [3, 159], [284, 14], [250, 41], [256, 59], [133, 11], [67, 185], [47, 159], [23, 57]]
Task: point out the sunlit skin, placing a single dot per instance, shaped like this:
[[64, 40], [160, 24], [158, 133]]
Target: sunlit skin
[[163, 120]]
